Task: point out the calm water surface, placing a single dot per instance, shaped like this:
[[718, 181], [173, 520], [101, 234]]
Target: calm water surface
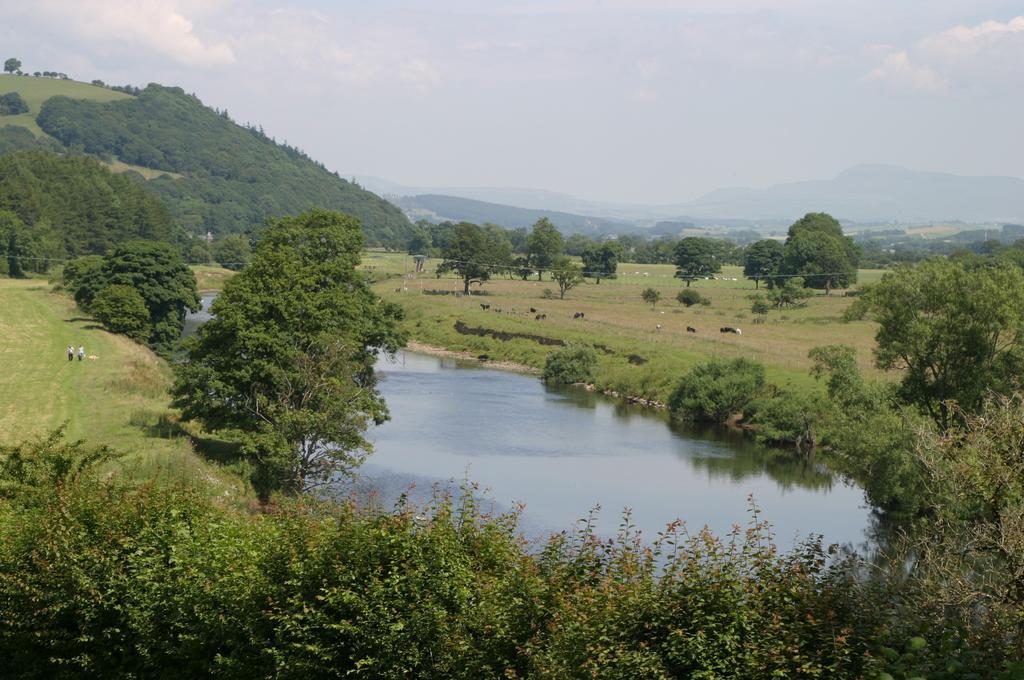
[[561, 452]]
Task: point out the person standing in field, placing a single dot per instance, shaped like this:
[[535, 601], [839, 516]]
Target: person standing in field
[[81, 352], [71, 352]]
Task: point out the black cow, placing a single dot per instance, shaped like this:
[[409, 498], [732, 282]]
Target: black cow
[[540, 316], [578, 315], [533, 310], [730, 329], [691, 329], [484, 307]]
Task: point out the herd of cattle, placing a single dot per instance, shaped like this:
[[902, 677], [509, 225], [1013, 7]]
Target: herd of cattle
[[540, 316]]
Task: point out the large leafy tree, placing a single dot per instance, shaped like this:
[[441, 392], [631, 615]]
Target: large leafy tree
[[122, 310], [697, 257], [159, 274], [762, 258], [286, 364], [600, 261], [12, 65], [955, 333], [470, 253], [544, 245], [817, 251]]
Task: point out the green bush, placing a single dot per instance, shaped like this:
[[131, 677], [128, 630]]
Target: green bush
[[788, 417], [232, 252], [100, 579], [122, 310], [11, 104], [716, 390], [690, 297], [570, 364]]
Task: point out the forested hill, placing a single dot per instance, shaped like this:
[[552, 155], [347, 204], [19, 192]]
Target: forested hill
[[232, 177], [55, 206]]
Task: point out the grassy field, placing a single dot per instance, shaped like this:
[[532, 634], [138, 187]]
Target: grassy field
[[35, 91], [210, 278], [119, 399], [616, 318]]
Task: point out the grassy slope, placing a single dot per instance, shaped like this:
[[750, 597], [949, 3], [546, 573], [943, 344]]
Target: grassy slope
[[210, 278], [118, 400], [616, 317], [35, 91]]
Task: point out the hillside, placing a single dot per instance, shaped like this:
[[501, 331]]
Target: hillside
[[54, 206], [438, 207], [35, 91], [874, 193], [212, 174]]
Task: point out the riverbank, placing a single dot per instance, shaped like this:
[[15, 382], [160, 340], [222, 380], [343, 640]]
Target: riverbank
[[482, 359], [117, 397]]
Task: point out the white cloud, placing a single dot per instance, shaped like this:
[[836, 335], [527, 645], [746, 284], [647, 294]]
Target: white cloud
[[155, 25], [963, 41], [899, 71]]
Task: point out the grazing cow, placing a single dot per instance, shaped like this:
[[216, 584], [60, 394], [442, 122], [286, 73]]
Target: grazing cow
[[533, 310], [730, 329], [484, 307], [658, 327], [578, 315], [540, 317], [691, 329]]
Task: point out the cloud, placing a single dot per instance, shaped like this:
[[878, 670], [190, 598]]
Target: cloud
[[964, 42], [154, 25], [899, 71], [986, 55]]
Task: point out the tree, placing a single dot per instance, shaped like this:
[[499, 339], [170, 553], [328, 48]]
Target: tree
[[697, 257], [762, 259], [468, 254], [13, 243], [571, 364], [817, 251], [84, 277], [792, 293], [286, 364], [122, 310], [544, 245], [956, 334], [11, 104], [159, 274], [567, 274], [651, 296], [601, 261], [12, 65], [232, 251]]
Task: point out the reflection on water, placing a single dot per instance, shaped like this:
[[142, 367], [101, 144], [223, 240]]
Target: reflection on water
[[194, 320], [563, 451]]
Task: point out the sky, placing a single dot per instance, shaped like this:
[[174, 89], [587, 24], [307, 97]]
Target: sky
[[654, 101]]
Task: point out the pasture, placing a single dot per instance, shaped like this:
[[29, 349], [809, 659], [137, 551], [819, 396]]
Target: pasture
[[637, 357], [119, 398], [35, 91]]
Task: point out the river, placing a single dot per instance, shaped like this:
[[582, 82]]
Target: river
[[561, 452]]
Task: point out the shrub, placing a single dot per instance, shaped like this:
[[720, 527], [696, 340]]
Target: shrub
[[570, 364], [122, 310], [716, 390], [651, 296], [689, 297], [787, 417], [548, 294]]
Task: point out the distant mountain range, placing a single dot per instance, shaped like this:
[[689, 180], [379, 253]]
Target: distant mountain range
[[863, 194]]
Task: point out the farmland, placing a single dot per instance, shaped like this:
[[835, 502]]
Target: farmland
[[620, 324]]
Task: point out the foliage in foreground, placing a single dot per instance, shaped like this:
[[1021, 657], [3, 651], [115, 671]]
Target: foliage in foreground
[[103, 580]]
